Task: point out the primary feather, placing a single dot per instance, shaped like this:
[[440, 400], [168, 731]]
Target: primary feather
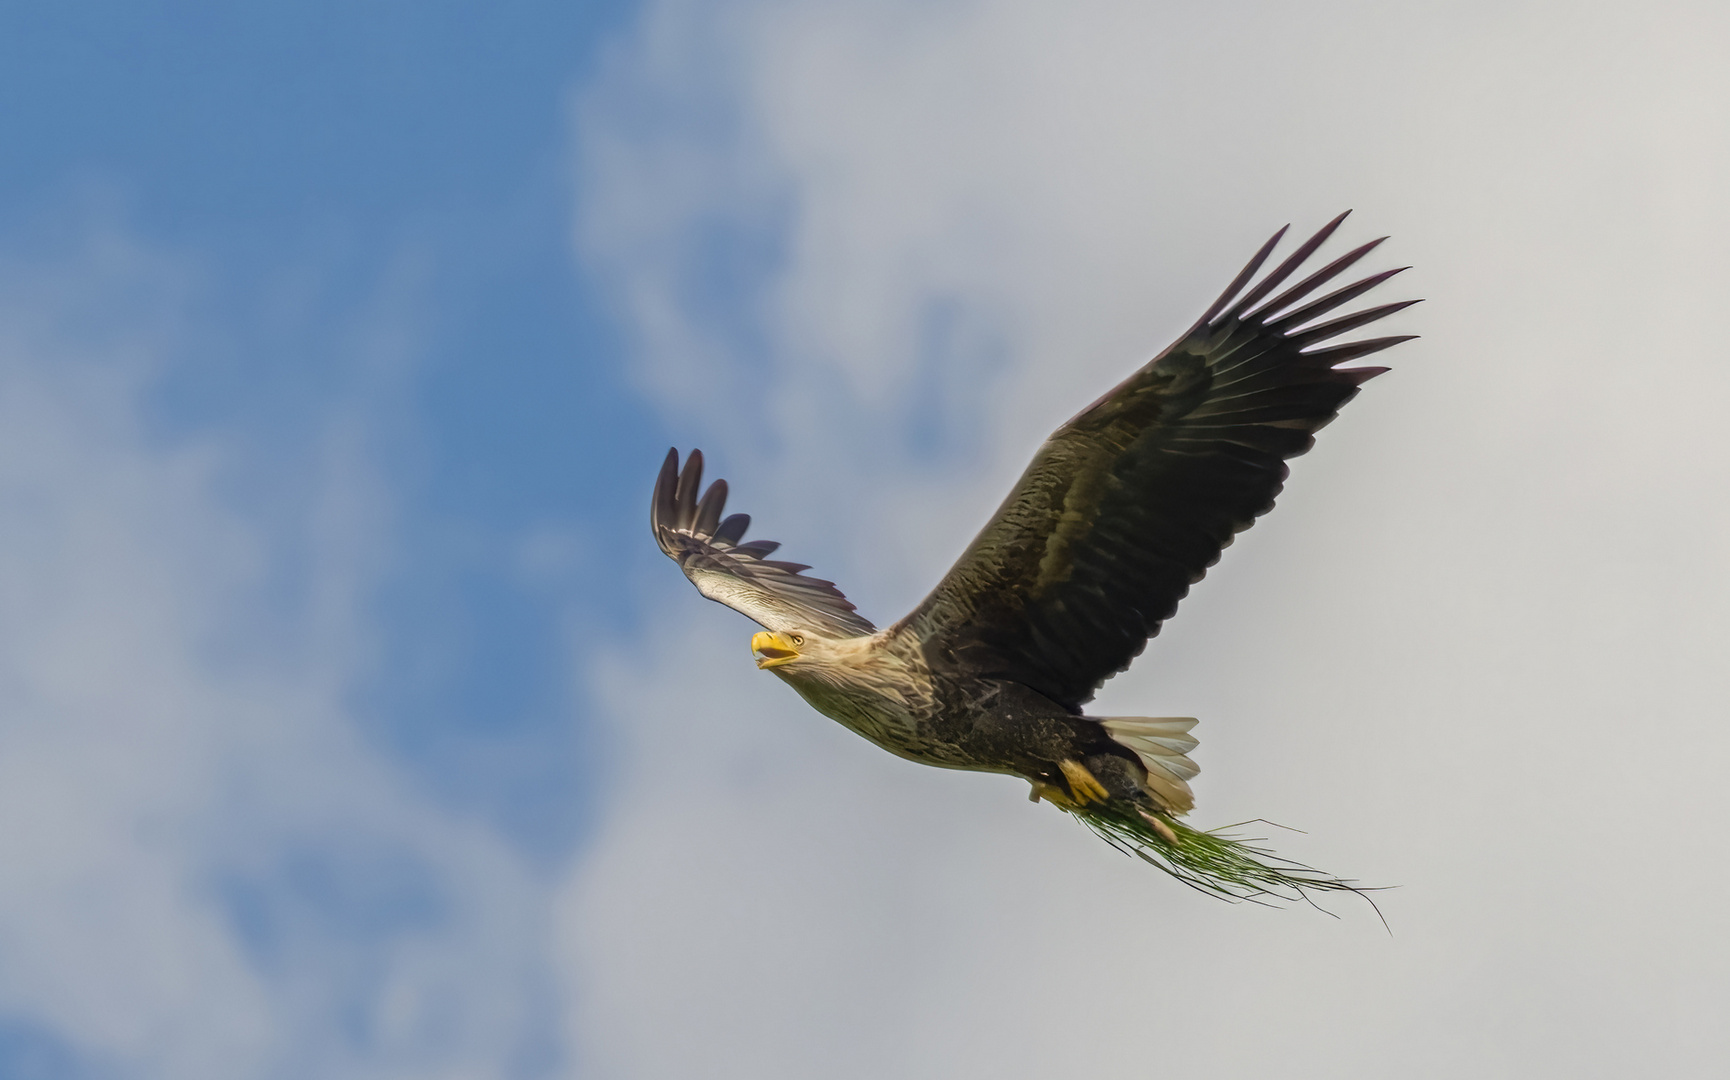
[[776, 594]]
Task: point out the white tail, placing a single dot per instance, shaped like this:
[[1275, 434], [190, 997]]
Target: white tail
[[1161, 743]]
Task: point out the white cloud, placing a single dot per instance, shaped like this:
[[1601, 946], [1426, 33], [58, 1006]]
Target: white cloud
[[205, 870], [1475, 652]]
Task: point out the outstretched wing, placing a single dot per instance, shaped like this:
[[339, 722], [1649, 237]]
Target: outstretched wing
[[1127, 505], [742, 576]]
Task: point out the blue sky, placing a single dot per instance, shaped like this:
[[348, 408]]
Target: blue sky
[[354, 215], [318, 168], [351, 726]]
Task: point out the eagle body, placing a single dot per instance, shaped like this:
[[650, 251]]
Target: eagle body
[[1122, 509], [880, 688], [884, 690]]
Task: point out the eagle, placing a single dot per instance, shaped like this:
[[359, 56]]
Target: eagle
[[1122, 510]]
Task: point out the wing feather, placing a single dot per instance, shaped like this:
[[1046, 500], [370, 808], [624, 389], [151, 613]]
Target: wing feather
[[1127, 505], [707, 548]]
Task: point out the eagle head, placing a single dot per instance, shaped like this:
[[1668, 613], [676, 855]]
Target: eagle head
[[773, 648]]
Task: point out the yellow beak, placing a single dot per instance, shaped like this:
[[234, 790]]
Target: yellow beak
[[771, 648]]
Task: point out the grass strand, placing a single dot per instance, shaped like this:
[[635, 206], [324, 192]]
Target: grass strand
[[1217, 863]]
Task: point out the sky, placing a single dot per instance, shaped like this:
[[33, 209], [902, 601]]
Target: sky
[[352, 726]]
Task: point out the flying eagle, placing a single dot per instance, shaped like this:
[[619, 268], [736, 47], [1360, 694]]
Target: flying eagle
[[1122, 510]]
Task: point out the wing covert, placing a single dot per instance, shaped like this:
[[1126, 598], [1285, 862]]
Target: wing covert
[[707, 547], [1128, 504]]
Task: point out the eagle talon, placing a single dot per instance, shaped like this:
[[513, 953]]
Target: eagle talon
[[1051, 793], [1084, 787]]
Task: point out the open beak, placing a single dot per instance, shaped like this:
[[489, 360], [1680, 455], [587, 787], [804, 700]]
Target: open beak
[[771, 649]]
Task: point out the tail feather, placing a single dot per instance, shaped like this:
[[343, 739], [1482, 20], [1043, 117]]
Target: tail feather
[[1162, 743]]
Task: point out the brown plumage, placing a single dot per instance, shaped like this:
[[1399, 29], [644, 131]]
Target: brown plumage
[[1122, 510]]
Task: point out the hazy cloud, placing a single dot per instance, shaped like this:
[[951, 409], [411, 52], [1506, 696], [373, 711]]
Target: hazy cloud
[[1476, 652], [207, 871]]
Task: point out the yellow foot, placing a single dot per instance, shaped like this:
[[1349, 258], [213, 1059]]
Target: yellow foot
[[1084, 787]]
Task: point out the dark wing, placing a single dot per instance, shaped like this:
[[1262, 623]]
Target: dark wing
[[1127, 505], [742, 576]]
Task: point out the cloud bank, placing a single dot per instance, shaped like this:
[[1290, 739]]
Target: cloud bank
[[873, 253], [207, 870]]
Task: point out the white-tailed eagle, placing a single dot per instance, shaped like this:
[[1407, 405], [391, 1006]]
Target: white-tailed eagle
[[1122, 510]]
